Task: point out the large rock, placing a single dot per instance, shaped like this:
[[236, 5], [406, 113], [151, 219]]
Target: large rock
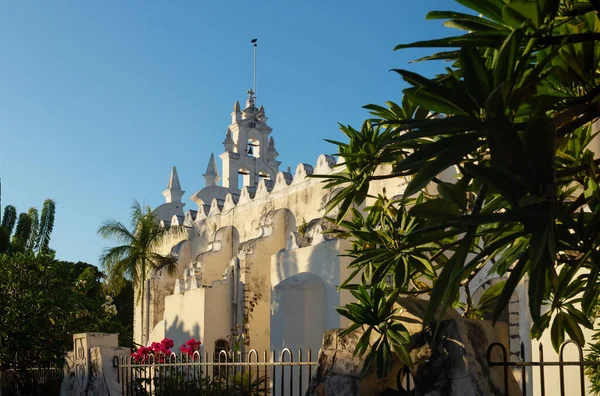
[[454, 361], [456, 364]]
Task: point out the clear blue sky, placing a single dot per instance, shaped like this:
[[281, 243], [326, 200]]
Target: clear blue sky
[[98, 99]]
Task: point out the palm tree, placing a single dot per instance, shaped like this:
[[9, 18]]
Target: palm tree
[[136, 255]]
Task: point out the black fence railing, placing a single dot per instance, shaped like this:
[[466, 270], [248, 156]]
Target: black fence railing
[[37, 381], [223, 374], [568, 385]]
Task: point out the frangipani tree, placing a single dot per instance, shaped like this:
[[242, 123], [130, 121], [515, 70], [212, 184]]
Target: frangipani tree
[[513, 114]]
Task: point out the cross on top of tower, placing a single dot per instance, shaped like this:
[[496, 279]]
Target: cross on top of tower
[[251, 99]]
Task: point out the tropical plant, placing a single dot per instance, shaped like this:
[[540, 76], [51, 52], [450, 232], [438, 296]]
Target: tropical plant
[[10, 217], [30, 234], [136, 255], [45, 301], [46, 225], [512, 115]]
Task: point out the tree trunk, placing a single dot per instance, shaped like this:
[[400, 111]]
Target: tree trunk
[[143, 338]]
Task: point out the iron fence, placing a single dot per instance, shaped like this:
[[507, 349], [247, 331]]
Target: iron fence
[[44, 380], [222, 374], [526, 369]]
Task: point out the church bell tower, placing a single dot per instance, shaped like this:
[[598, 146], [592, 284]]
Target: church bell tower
[[249, 150]]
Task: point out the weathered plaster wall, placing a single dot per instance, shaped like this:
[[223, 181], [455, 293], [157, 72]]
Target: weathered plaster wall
[[186, 315], [255, 258], [304, 296]]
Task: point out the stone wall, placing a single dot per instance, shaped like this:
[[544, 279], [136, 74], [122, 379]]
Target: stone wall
[[89, 367]]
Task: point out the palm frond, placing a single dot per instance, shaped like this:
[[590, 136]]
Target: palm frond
[[137, 213], [160, 262], [112, 229], [165, 233]]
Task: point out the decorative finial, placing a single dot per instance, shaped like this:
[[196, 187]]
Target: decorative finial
[[228, 142], [251, 99], [272, 153], [174, 180], [261, 114], [236, 106], [173, 193], [211, 176]]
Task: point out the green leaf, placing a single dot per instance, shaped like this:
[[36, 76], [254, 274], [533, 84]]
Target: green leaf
[[573, 329], [591, 293], [475, 74], [445, 55], [489, 8], [444, 291], [443, 97], [579, 317], [511, 283], [490, 295], [403, 355], [458, 16], [557, 332], [436, 209], [506, 183], [453, 193], [483, 39], [506, 60], [445, 159], [369, 360], [517, 12]]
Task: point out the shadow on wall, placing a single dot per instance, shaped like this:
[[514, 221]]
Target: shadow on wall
[[321, 259], [303, 302], [175, 331], [300, 302]]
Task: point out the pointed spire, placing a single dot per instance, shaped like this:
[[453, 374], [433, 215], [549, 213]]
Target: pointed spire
[[228, 142], [174, 180], [211, 176], [236, 115], [173, 193], [272, 153], [261, 114]]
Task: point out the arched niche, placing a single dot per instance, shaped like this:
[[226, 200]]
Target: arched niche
[[299, 311]]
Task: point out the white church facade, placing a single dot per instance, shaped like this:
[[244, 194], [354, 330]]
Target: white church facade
[[255, 261]]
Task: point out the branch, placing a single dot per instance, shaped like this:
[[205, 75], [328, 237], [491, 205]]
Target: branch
[[575, 170], [388, 176], [569, 38], [582, 120], [416, 292]]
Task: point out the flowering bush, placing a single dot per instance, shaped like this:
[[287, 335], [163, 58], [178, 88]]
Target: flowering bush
[[109, 307], [158, 350], [190, 347], [161, 349]]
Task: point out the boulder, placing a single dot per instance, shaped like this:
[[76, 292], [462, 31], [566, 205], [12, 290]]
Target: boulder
[[449, 362], [453, 361]]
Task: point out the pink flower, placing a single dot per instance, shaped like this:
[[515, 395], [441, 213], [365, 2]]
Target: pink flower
[[167, 343], [190, 346]]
